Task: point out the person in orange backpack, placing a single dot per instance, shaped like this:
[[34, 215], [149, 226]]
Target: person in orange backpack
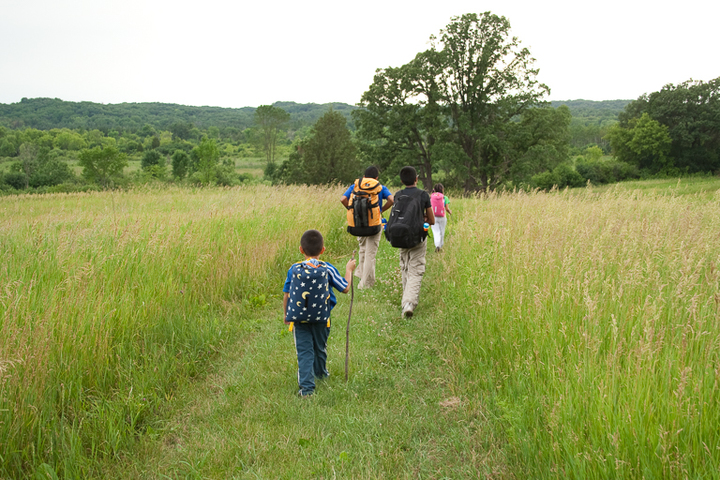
[[365, 201]]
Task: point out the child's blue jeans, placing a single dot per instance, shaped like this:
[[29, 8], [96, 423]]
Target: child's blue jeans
[[311, 345]]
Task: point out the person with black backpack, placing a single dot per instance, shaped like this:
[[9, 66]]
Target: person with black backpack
[[364, 203], [406, 230]]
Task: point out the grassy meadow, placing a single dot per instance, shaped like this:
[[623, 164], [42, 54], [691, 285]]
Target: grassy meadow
[[569, 334]]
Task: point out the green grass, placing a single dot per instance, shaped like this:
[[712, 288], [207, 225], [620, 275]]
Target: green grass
[[255, 166], [571, 334], [704, 188]]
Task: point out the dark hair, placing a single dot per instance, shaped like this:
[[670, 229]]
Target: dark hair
[[408, 176], [438, 188], [372, 172], [312, 243]]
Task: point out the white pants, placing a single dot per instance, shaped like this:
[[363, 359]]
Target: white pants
[[439, 231]]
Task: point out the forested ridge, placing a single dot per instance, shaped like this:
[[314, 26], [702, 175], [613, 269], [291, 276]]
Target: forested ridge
[[49, 113]]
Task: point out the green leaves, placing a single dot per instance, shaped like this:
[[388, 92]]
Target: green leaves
[[468, 90], [328, 156], [271, 120], [687, 114], [643, 142], [100, 165]]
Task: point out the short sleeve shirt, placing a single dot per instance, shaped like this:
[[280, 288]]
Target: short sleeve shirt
[[424, 197], [384, 193], [337, 281]]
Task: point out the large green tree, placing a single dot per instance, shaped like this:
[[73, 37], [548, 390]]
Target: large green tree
[[271, 121], [487, 81], [468, 106]]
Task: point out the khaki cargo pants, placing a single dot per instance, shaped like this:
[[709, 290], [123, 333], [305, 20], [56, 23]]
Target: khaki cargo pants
[[368, 248], [412, 266]]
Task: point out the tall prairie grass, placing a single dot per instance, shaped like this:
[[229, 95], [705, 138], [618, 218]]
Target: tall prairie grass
[[589, 324], [567, 334], [109, 300]]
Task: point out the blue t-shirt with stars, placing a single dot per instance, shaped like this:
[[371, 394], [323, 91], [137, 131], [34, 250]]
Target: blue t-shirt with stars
[[336, 280]]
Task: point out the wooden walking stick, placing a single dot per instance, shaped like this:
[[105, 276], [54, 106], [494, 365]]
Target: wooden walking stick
[[347, 330]]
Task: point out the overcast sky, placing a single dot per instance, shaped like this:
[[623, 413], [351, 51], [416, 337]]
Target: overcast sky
[[250, 53]]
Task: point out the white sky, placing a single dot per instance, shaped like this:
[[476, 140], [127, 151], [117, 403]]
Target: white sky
[[250, 53]]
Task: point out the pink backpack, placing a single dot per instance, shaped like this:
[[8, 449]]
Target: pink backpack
[[437, 201]]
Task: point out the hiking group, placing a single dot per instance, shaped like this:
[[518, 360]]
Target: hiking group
[[308, 292]]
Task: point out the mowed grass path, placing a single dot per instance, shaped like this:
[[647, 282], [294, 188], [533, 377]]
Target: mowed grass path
[[399, 415]]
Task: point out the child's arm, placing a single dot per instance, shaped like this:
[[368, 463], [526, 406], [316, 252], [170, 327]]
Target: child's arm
[[348, 274], [286, 296], [389, 201], [429, 216]]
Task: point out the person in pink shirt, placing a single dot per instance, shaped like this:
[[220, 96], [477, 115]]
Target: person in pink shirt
[[441, 209]]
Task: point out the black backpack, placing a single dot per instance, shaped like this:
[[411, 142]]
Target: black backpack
[[405, 225]]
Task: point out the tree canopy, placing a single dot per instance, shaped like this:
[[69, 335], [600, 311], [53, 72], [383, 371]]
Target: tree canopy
[[687, 114], [101, 165], [329, 155], [270, 120]]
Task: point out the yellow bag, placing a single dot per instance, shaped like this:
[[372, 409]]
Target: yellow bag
[[363, 216]]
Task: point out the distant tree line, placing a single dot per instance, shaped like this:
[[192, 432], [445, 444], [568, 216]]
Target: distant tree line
[[49, 113], [674, 131]]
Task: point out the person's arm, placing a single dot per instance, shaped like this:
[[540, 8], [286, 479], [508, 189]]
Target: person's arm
[[429, 216], [345, 199], [389, 201], [348, 274], [286, 296]]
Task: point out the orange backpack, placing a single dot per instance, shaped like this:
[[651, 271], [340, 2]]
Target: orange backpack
[[363, 216]]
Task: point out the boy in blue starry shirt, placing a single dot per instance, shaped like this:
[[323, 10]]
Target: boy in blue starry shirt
[[311, 337]]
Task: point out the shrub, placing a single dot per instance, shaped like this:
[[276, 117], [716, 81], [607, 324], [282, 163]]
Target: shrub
[[545, 180], [568, 176], [562, 176], [17, 180], [150, 158], [180, 164], [602, 172], [51, 172]]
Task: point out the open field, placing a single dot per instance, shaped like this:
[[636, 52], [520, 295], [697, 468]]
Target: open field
[[571, 334], [701, 188], [254, 166]]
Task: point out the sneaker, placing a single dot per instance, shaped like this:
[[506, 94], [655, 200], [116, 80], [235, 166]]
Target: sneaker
[[407, 311]]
